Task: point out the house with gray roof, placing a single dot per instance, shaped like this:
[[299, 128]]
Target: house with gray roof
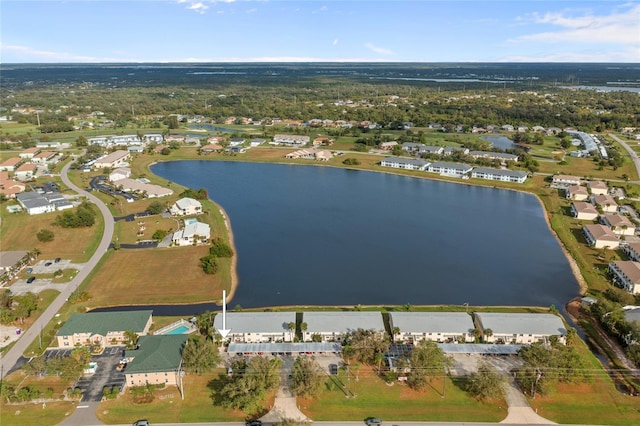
[[157, 360], [430, 150], [490, 155], [447, 327], [445, 168], [404, 163], [258, 327], [519, 328], [333, 326], [499, 174], [34, 203], [102, 328]]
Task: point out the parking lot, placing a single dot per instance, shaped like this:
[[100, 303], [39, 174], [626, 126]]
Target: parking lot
[[465, 364], [106, 375]]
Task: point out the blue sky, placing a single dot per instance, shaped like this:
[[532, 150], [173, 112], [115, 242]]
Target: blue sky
[[278, 30]]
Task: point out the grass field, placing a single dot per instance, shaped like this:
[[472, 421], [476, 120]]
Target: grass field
[[19, 231], [374, 398], [35, 413], [168, 407], [169, 275]]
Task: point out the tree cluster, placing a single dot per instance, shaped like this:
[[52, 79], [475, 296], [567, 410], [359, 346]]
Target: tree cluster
[[200, 194], [425, 361], [365, 346], [16, 308], [69, 368], [83, 216], [200, 355], [307, 377], [249, 384]]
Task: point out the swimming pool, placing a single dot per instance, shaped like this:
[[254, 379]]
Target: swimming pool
[[179, 330]]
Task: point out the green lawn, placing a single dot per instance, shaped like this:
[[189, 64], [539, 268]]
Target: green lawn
[[35, 414], [442, 401]]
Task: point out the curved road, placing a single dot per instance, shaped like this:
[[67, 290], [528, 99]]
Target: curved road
[[632, 153], [11, 357]]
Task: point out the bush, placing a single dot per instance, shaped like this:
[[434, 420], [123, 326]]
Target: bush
[[209, 264], [84, 215], [351, 162], [45, 235], [220, 249]]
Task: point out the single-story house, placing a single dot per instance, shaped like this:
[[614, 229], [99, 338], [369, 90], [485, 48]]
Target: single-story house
[[499, 174], [619, 223], [119, 174], [194, 232], [584, 211], [333, 326], [254, 142], [212, 147], [26, 172], [411, 147], [186, 207], [322, 141], [29, 153], [10, 187], [34, 203], [437, 326], [115, 159], [258, 327], [449, 169], [517, 328], [576, 193], [562, 181], [102, 328], [490, 155], [11, 260], [151, 190], [10, 164], [45, 157], [430, 150], [387, 146], [605, 202], [598, 187], [404, 163], [600, 236], [290, 140], [157, 360], [626, 274]]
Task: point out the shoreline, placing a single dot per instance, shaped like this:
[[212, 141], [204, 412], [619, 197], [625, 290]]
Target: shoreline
[[575, 269]]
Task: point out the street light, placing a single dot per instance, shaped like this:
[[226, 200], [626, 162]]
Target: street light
[[465, 304]]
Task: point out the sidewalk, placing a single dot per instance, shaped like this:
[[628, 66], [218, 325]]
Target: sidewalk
[[519, 410]]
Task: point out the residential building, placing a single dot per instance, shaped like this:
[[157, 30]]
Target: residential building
[[290, 140], [333, 326], [605, 202], [576, 193], [119, 174], [115, 159], [310, 154], [45, 157], [516, 328], [411, 147], [626, 275], [449, 150], [600, 236], [26, 172], [212, 147], [29, 153], [490, 155], [11, 260], [10, 164], [598, 187], [194, 232], [258, 327], [34, 203], [430, 150], [236, 141], [563, 181], [148, 189], [445, 168], [584, 211], [387, 146], [10, 188], [633, 251], [157, 360], [186, 207], [135, 149], [102, 328], [443, 327], [619, 223], [254, 142], [404, 163], [499, 174], [322, 141]]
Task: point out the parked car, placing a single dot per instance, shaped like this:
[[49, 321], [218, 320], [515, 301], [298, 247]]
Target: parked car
[[333, 369], [31, 279], [142, 423], [373, 421], [254, 423], [47, 264], [57, 260]]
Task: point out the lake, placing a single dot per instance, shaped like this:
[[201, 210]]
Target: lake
[[328, 236], [501, 142]]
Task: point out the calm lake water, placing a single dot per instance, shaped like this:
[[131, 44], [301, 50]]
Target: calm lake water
[[324, 236], [501, 142]]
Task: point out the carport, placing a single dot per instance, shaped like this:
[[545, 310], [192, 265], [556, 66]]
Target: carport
[[284, 348]]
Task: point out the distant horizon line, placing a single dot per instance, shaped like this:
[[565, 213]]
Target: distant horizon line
[[372, 62]]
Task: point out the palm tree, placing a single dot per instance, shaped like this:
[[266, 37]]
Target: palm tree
[[130, 339], [303, 328], [488, 333], [291, 327], [395, 332], [477, 333]]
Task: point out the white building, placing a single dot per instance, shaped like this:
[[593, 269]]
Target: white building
[[443, 327], [584, 211], [333, 326], [119, 174], [576, 193], [194, 232], [115, 159], [258, 327], [626, 274], [605, 202], [600, 236], [619, 223], [186, 207], [450, 169], [290, 140], [499, 174], [516, 328], [404, 163], [598, 187]]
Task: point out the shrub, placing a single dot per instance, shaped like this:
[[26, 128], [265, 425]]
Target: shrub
[[45, 235], [209, 264], [220, 249]]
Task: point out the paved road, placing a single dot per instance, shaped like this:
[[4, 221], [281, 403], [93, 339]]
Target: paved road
[[12, 356], [632, 153]]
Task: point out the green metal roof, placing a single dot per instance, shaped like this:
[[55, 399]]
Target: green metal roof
[[157, 353], [104, 322]]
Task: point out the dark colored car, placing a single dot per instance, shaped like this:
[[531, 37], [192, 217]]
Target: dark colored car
[[333, 369], [254, 423], [47, 264], [142, 423], [57, 260], [30, 280]]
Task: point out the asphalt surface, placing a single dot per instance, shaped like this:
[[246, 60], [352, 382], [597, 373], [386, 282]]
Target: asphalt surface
[[11, 357], [632, 153]]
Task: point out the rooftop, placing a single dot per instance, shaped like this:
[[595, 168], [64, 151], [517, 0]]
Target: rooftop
[[157, 353], [342, 322], [104, 322], [515, 323], [448, 322], [256, 322]]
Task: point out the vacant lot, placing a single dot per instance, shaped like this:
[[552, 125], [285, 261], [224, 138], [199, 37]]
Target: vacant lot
[[374, 398], [19, 231], [165, 275], [168, 407], [35, 413]]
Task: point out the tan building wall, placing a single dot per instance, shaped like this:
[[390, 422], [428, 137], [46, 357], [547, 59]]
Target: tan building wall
[[169, 378]]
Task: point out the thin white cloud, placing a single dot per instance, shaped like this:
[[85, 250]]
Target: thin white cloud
[[320, 10], [335, 42], [377, 49], [201, 6], [30, 54], [620, 26]]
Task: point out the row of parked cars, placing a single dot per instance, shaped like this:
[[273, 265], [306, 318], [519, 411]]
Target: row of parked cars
[[30, 270]]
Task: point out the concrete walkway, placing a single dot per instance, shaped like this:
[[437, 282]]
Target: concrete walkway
[[84, 415], [519, 410], [285, 406]]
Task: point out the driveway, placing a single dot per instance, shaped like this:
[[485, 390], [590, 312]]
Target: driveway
[[106, 375]]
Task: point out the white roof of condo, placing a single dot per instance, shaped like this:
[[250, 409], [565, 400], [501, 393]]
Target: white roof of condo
[[256, 322], [342, 322], [516, 323], [421, 322]]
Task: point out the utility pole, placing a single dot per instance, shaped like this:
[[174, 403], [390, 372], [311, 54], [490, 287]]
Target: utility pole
[[534, 385]]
